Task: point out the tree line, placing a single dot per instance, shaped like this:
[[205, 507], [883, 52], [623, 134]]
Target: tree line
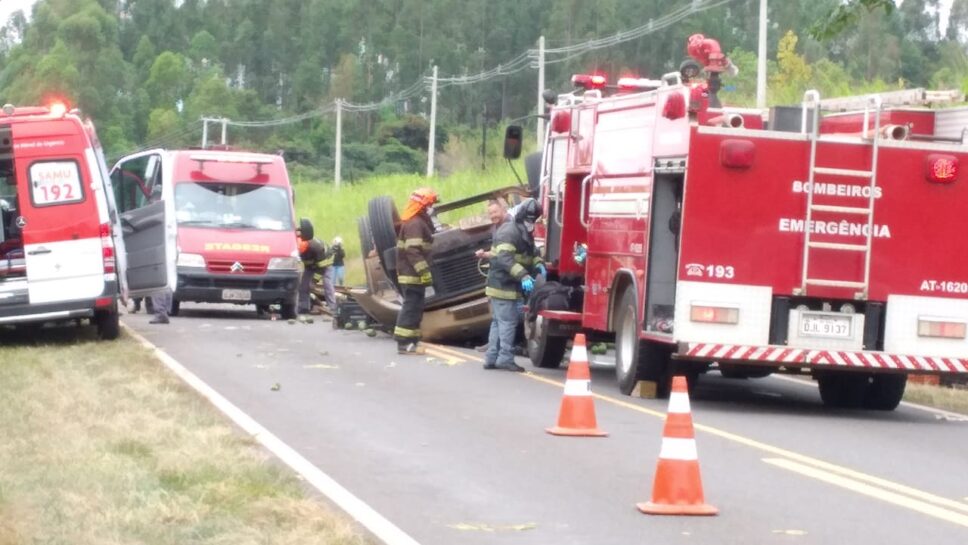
[[147, 70]]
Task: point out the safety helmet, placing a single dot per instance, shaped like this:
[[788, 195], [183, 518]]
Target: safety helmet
[[306, 231], [421, 199], [337, 241], [527, 213]]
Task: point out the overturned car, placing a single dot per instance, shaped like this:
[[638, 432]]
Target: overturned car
[[456, 309]]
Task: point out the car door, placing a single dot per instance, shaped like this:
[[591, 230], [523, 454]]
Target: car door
[[58, 217], [146, 223]]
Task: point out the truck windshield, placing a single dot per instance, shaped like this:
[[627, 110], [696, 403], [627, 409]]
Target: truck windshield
[[233, 205]]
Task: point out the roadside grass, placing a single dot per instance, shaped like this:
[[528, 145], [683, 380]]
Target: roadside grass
[[939, 397], [102, 445], [334, 212]]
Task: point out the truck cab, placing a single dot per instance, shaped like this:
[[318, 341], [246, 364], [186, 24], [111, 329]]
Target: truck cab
[[65, 248], [234, 219]]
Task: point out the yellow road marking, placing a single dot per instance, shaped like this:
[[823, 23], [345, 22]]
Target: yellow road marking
[[454, 353], [869, 490], [448, 358], [792, 457]]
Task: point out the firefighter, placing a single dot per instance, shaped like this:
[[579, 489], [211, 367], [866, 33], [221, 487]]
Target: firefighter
[[413, 267], [315, 261], [514, 263]]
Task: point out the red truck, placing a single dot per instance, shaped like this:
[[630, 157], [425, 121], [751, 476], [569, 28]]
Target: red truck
[[823, 239]]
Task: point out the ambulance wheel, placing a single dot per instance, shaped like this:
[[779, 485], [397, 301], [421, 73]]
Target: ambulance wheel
[[843, 390], [288, 311], [635, 359], [544, 350], [175, 307], [108, 324], [885, 392]]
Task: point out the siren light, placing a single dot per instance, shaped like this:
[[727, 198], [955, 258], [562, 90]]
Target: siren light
[[589, 81], [58, 109]]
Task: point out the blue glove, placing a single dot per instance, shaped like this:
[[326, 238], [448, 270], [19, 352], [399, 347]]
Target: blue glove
[[580, 253], [527, 284], [541, 270]]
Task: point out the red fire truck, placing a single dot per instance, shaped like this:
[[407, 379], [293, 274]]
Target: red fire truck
[[823, 239]]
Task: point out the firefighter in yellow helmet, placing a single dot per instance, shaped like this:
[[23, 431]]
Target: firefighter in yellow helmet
[[413, 267]]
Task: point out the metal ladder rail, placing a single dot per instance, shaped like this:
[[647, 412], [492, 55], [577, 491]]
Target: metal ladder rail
[[812, 97], [876, 101]]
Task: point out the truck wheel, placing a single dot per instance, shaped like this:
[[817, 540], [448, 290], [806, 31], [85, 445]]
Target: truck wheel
[[545, 351], [885, 392], [384, 220], [366, 236], [108, 324], [843, 390], [175, 307], [637, 360]]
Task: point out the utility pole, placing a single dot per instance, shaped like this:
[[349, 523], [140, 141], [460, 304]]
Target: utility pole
[[225, 123], [541, 85], [761, 60], [432, 142], [204, 133], [339, 142], [484, 138]]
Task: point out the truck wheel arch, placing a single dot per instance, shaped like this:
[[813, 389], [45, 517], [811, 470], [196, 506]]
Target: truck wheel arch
[[624, 279]]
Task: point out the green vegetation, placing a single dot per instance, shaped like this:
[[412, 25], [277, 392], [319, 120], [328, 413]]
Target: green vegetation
[[147, 70], [103, 445]]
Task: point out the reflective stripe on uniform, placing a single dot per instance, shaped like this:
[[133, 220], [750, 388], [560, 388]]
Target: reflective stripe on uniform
[[412, 280], [517, 270], [406, 333], [413, 243], [421, 266], [503, 247], [498, 293]]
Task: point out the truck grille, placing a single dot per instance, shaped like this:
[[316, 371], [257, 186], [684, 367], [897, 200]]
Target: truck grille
[[225, 266], [456, 272], [239, 282]]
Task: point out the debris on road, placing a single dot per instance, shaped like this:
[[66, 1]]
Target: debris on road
[[482, 527], [275, 387]]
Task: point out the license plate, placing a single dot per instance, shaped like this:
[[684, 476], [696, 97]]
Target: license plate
[[825, 325], [236, 295]]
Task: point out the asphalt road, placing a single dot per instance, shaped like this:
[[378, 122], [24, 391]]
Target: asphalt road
[[451, 453]]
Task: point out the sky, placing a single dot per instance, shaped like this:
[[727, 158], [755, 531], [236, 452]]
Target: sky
[[7, 7]]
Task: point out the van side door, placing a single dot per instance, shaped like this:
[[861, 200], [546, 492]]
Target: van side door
[[137, 184]]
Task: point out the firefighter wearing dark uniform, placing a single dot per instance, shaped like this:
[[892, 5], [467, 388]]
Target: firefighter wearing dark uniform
[[514, 263], [413, 267], [315, 260]]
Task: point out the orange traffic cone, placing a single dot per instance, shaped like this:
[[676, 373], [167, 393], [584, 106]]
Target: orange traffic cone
[[577, 414], [678, 488]]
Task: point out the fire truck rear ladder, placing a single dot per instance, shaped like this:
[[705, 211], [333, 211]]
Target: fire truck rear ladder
[[812, 103]]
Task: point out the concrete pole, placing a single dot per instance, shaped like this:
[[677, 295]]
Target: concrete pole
[[204, 133], [225, 124], [339, 142], [432, 142], [541, 84], [761, 60]]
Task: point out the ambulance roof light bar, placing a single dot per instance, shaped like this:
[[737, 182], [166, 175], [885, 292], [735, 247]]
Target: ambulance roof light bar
[[236, 158]]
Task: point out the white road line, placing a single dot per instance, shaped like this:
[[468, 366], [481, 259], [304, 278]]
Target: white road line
[[373, 521], [956, 417]]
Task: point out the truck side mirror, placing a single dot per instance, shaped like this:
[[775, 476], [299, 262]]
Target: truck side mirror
[[512, 142]]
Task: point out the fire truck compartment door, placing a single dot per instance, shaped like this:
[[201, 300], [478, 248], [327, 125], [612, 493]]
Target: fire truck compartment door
[[145, 242]]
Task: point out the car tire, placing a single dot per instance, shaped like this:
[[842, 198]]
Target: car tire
[[383, 220], [885, 392], [545, 351], [108, 324], [366, 236]]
